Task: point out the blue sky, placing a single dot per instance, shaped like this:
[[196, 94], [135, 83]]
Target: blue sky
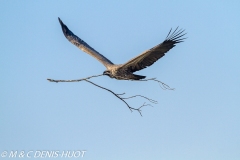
[[198, 120]]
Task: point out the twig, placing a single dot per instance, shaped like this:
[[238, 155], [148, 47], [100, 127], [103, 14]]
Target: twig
[[122, 99], [150, 100], [162, 85], [75, 80]]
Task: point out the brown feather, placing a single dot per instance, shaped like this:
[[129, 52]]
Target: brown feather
[[150, 56]]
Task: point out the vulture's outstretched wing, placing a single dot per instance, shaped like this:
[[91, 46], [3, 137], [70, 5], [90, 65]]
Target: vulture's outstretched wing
[[150, 56], [83, 45]]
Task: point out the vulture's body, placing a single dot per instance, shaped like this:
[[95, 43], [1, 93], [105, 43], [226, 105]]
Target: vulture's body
[[125, 71]]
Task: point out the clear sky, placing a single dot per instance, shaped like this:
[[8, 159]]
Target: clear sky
[[199, 120]]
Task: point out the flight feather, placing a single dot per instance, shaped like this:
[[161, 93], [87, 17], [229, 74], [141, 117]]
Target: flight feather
[[83, 45]]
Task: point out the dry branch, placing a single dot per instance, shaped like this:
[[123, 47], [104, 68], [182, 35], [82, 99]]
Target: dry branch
[[163, 86], [74, 80]]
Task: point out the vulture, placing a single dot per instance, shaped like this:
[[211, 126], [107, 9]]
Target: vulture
[[125, 71]]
